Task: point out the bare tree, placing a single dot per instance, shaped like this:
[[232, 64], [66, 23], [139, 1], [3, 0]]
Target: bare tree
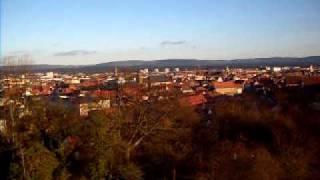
[[141, 120], [12, 67]]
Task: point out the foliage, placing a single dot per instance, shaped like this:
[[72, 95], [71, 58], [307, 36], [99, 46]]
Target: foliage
[[40, 162], [244, 138]]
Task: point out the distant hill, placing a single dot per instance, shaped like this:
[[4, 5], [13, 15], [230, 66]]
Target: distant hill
[[274, 61], [182, 63], [192, 63]]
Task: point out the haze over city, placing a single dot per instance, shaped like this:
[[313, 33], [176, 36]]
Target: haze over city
[[89, 32]]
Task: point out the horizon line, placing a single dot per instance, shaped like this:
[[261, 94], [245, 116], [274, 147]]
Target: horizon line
[[173, 59]]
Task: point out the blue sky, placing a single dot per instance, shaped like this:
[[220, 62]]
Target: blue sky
[[94, 31]]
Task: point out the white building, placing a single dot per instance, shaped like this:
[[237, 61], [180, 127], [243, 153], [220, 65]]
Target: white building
[[268, 68], [145, 71], [84, 109], [276, 69], [104, 104], [220, 79], [75, 81], [49, 75], [311, 69], [200, 78]]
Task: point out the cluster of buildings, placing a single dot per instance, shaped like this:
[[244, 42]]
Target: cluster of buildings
[[107, 91]]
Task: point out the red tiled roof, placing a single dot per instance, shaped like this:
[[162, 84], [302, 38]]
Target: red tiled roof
[[89, 83], [193, 100], [104, 93], [131, 91]]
